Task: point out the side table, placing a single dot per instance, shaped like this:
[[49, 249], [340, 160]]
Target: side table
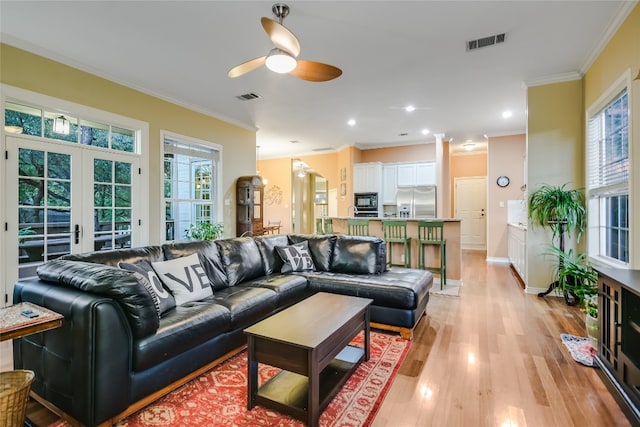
[[14, 325]]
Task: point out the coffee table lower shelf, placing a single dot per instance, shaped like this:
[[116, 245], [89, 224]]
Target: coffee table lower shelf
[[287, 391]]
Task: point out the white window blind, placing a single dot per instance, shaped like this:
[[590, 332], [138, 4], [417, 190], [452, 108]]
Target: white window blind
[[608, 148], [608, 181]]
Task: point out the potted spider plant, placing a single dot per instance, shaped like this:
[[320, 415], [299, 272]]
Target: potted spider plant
[[561, 210], [576, 276]]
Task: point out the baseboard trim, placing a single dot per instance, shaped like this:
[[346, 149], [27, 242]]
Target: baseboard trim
[[497, 260]]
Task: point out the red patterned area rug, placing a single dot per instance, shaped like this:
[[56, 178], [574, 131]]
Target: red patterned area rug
[[219, 397]]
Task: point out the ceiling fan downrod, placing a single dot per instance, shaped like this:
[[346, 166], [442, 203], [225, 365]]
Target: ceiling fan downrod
[[280, 10]]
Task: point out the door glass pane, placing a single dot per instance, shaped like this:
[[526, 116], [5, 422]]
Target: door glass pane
[[123, 173], [44, 208], [31, 163], [59, 165], [112, 204], [102, 171]]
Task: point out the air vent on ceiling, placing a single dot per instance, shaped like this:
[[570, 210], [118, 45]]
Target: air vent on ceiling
[[322, 149], [485, 41], [248, 96]]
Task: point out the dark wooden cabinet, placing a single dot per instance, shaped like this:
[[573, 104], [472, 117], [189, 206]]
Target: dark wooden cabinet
[[619, 339], [249, 206]]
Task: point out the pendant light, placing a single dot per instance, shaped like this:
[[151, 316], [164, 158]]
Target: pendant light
[[61, 125]]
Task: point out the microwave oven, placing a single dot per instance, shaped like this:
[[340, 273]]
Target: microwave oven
[[366, 201]]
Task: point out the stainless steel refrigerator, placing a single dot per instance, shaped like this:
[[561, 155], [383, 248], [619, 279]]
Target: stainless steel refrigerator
[[416, 202]]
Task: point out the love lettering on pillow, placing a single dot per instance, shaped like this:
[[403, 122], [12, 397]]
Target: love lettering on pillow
[[296, 257], [185, 277], [161, 296]]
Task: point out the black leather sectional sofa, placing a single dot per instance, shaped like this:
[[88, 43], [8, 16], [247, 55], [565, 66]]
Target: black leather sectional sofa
[[119, 348]]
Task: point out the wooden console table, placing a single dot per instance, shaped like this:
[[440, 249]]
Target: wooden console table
[[14, 325]]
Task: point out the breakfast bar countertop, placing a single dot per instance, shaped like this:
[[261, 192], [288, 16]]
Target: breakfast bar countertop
[[387, 218]]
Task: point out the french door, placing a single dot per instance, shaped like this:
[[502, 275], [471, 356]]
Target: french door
[[65, 198]]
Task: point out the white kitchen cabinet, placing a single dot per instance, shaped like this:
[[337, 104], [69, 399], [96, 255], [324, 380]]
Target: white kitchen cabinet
[[517, 247], [367, 177], [389, 184], [406, 174], [426, 174], [417, 174]]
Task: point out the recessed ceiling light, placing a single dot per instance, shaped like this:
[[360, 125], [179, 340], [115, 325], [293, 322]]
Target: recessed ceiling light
[[351, 122], [425, 131], [469, 146], [409, 108], [506, 114]]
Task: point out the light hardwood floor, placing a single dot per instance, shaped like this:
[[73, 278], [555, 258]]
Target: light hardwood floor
[[491, 357]]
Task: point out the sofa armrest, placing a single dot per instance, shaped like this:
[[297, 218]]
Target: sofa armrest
[[89, 357]]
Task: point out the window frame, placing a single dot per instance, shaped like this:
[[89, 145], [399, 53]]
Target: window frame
[[597, 197], [216, 200]]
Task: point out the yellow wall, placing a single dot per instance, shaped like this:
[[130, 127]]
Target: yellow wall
[[620, 56], [35, 73], [555, 142]]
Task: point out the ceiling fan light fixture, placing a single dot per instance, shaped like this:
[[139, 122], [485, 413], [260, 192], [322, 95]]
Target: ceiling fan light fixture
[[280, 61]]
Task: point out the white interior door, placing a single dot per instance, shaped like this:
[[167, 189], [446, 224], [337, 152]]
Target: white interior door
[[470, 207]]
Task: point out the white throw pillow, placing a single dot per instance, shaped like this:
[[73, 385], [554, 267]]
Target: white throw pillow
[[185, 277]]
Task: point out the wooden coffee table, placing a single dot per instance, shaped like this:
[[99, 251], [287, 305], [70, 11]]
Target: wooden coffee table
[[310, 342]]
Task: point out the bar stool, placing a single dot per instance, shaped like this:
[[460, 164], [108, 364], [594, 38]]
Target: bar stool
[[396, 232], [328, 226], [432, 233], [358, 227]]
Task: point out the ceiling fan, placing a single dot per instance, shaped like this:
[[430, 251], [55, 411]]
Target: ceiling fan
[[283, 58]]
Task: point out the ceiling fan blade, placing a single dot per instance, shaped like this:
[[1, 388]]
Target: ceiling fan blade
[[315, 71], [281, 36], [245, 67]]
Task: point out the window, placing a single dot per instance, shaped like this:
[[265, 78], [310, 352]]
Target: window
[[190, 185], [608, 180], [28, 120]]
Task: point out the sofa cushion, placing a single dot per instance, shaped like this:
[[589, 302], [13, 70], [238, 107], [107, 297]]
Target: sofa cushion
[[399, 288], [267, 246], [241, 259], [247, 305], [162, 297], [358, 255], [288, 287], [185, 327], [112, 258], [123, 286], [185, 277], [320, 246], [207, 250], [295, 257]]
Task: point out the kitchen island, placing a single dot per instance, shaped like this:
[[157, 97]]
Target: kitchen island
[[451, 234]]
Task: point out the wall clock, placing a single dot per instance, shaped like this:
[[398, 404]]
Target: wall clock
[[503, 181]]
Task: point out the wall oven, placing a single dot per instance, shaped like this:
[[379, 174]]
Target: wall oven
[[366, 204]]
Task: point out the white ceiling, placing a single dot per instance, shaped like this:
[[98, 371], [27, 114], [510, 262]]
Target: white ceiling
[[392, 53]]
